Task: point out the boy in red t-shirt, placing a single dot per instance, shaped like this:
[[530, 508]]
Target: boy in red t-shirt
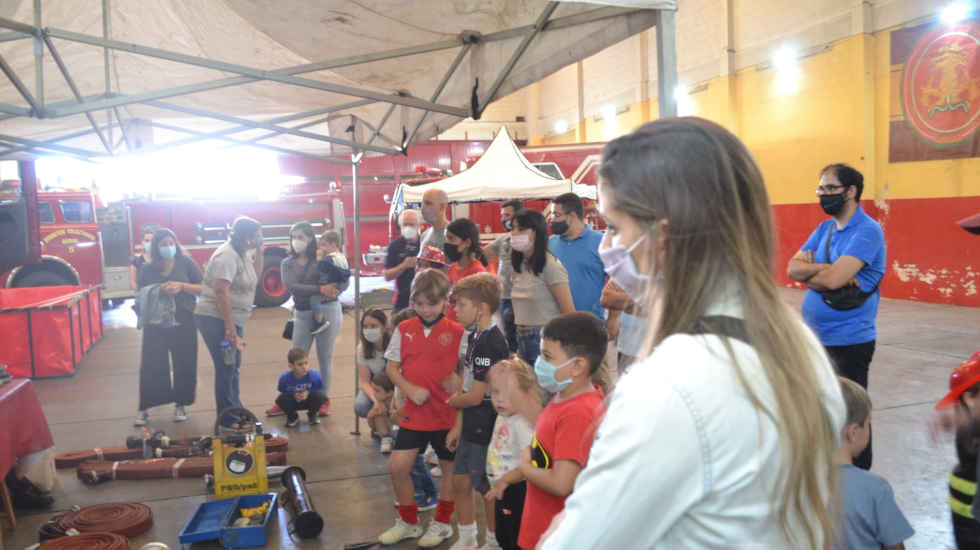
[[572, 347], [422, 357]]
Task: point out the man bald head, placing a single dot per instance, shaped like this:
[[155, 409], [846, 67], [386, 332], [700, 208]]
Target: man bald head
[[434, 203]]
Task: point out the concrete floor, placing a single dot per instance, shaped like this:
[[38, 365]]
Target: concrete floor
[[918, 345]]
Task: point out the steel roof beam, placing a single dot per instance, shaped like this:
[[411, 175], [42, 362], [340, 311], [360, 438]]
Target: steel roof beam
[[271, 127], [19, 84], [33, 144], [442, 85], [74, 90]]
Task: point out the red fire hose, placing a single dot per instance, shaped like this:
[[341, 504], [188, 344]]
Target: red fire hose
[[88, 541], [122, 518], [157, 468]]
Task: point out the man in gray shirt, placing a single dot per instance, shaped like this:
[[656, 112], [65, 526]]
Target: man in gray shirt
[[500, 249], [434, 202]]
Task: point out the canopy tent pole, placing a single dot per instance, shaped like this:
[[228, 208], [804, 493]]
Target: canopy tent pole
[[356, 160]]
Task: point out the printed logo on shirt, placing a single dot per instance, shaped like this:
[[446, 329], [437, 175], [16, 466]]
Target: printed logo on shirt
[[410, 336], [539, 456], [444, 339], [482, 361]]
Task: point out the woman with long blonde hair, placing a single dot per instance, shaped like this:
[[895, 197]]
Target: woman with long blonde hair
[[722, 434]]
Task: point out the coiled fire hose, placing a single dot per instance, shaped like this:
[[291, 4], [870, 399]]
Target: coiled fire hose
[[88, 541], [122, 518]]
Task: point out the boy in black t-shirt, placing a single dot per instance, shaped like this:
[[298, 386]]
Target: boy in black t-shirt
[[477, 298]]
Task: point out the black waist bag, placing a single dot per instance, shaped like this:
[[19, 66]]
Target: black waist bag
[[848, 297]]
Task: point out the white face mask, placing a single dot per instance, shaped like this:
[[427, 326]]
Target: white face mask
[[520, 243], [410, 232], [299, 245], [619, 264], [373, 335]]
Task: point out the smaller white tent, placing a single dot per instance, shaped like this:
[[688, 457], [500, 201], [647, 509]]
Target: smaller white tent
[[502, 173]]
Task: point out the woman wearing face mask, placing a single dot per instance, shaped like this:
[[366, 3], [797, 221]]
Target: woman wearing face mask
[[539, 283], [225, 306], [463, 252], [370, 362], [732, 381], [141, 258], [160, 382], [301, 278]]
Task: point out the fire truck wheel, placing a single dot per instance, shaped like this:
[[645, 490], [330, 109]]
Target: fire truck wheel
[[41, 278], [270, 291]]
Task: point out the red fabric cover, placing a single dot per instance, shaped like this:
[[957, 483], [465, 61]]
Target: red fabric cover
[[428, 362], [25, 430], [59, 317]]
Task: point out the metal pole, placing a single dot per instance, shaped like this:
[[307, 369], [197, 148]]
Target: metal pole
[[442, 85], [666, 63], [78, 95], [356, 159], [105, 61], [19, 84], [38, 57]]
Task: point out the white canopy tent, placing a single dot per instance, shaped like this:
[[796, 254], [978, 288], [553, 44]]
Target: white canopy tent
[[501, 173]]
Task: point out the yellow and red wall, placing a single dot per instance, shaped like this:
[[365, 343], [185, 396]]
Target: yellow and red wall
[[836, 106]]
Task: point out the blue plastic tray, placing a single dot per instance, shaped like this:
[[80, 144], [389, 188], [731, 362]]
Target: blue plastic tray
[[252, 536], [207, 521]]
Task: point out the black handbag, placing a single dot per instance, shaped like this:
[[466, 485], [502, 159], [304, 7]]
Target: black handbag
[[848, 297], [287, 331]]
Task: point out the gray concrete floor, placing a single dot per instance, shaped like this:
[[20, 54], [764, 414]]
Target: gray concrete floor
[[918, 345]]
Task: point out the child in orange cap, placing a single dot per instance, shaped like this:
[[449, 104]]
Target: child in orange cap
[[964, 395]]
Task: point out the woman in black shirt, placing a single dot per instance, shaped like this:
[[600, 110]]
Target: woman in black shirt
[[180, 277]]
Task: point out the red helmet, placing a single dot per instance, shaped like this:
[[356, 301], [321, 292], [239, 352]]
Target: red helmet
[[434, 255], [963, 377]]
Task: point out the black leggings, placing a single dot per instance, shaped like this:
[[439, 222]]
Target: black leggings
[[853, 363], [508, 512]]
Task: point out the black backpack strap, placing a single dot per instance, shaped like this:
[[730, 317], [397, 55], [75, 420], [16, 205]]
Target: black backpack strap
[[721, 325]]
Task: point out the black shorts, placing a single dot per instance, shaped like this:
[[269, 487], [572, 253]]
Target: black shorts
[[411, 439]]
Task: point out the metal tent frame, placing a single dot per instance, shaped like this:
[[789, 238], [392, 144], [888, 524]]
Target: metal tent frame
[[110, 102]]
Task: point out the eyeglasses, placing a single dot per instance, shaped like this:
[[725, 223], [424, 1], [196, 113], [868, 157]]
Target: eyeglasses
[[828, 188]]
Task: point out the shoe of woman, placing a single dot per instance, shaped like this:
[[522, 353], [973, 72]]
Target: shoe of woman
[[141, 418]]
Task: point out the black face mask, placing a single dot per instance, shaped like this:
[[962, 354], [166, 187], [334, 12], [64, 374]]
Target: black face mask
[[433, 323], [508, 224], [832, 204], [452, 252], [559, 228]]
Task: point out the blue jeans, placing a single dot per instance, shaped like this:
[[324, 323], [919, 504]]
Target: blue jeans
[[529, 344], [303, 337], [422, 479], [225, 376]]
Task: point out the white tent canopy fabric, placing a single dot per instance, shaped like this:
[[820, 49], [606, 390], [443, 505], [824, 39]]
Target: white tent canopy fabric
[[501, 173], [182, 66]]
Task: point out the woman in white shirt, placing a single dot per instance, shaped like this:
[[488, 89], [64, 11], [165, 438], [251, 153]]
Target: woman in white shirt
[[722, 434]]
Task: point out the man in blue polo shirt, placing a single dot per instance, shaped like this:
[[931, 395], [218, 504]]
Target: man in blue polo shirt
[[856, 258], [576, 245]]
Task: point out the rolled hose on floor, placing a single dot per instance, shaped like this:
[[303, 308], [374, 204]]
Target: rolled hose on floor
[[157, 468], [88, 541], [128, 519], [179, 449]]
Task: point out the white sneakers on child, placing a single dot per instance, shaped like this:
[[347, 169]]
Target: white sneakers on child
[[387, 442], [400, 532], [436, 534], [180, 414], [464, 544], [491, 543], [141, 418]]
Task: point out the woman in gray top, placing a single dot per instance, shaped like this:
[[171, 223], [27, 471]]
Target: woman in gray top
[[300, 275], [226, 305]]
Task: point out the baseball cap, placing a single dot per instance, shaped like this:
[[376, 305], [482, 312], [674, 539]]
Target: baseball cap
[[962, 378]]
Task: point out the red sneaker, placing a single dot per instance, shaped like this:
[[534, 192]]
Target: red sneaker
[[325, 409], [274, 411]]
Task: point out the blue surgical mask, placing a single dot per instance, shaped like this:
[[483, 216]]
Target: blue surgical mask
[[168, 252], [619, 264], [545, 372]]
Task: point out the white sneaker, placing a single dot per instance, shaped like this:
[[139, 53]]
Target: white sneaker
[[491, 544], [141, 418], [436, 534], [436, 471], [400, 532], [386, 444], [180, 415], [464, 544]]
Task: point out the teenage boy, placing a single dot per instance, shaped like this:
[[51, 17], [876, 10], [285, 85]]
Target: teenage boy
[[300, 389]]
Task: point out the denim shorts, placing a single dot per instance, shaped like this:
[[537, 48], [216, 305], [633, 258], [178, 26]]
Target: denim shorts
[[471, 458]]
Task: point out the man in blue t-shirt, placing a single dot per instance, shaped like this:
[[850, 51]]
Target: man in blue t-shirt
[[576, 245], [856, 246], [300, 389]]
